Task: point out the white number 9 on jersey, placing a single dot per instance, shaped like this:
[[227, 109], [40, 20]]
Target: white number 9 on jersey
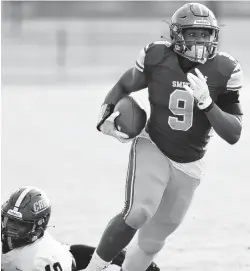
[[181, 104]]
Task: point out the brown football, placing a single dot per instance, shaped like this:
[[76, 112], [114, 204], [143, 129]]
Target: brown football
[[132, 118]]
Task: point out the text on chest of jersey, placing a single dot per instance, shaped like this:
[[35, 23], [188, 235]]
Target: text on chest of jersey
[[181, 84]]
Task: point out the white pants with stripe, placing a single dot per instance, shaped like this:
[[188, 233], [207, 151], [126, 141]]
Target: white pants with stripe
[[158, 193]]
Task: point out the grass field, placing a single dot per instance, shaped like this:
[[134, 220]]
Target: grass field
[[49, 140]]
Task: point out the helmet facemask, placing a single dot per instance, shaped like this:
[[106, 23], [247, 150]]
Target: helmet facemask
[[17, 233], [196, 51]]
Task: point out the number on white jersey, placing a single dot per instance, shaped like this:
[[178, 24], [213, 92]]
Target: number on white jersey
[[56, 267]]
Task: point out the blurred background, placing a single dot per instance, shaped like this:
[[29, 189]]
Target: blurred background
[[59, 59], [72, 41]]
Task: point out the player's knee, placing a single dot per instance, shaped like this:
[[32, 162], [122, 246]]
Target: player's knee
[[170, 227], [138, 217], [150, 246], [173, 226]]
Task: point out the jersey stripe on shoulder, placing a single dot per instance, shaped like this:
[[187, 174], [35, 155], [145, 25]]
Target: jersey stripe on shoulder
[[163, 42], [235, 81], [139, 64]]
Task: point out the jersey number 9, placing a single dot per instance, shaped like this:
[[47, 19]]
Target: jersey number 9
[[181, 105]]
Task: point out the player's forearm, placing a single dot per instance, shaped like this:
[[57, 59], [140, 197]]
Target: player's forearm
[[227, 126]]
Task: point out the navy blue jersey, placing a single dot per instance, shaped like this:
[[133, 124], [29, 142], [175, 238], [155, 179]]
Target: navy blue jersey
[[176, 125]]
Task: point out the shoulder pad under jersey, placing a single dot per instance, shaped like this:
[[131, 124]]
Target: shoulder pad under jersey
[[230, 68], [151, 54]]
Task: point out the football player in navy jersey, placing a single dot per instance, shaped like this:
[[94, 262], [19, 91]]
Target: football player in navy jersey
[[192, 89]]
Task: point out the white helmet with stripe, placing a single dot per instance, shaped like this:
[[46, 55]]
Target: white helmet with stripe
[[25, 216]]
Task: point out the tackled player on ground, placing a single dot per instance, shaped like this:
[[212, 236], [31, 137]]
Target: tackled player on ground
[[26, 244]]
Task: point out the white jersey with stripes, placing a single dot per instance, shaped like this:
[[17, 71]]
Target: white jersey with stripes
[[46, 254]]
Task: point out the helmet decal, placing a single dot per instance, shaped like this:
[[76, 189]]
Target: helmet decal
[[41, 205], [25, 191], [202, 22], [14, 213]]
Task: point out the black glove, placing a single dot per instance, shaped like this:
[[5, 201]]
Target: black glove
[[106, 111]]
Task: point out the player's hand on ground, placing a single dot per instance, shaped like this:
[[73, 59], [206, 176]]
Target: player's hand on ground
[[199, 89], [108, 128]]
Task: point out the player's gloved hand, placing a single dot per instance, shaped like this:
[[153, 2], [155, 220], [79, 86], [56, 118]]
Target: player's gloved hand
[[106, 111], [199, 89], [107, 125]]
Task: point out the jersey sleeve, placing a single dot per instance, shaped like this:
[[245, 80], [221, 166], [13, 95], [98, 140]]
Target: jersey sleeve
[[139, 64], [229, 100], [235, 82]]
